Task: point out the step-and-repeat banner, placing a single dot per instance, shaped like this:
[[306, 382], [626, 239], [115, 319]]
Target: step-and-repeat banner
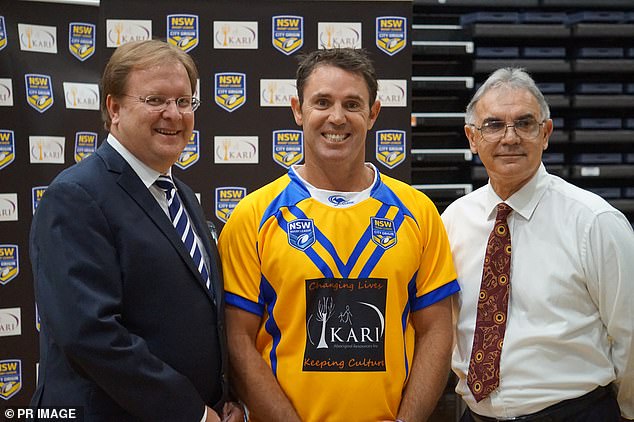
[[51, 58]]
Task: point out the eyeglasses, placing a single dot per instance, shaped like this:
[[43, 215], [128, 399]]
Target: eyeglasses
[[495, 130], [159, 103]]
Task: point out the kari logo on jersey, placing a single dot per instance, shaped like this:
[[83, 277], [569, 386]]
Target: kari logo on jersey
[[182, 31], [9, 263], [338, 35], [383, 232], [38, 38], [81, 96], [226, 200], [288, 33], [47, 149], [122, 31], [277, 92], [236, 149], [7, 148], [37, 193], [345, 325], [8, 207], [230, 90], [390, 147], [85, 145], [301, 233], [39, 91], [392, 92], [288, 147], [81, 40], [236, 35], [191, 152], [391, 34], [3, 33], [10, 377], [6, 92], [10, 321]]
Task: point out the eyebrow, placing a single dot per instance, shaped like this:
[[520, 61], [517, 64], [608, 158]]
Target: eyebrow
[[522, 117], [320, 94]]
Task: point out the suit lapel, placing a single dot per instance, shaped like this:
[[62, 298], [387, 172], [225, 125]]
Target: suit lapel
[[130, 182]]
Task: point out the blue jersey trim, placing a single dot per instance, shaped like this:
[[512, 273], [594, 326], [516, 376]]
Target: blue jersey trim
[[268, 296], [384, 194], [436, 295], [244, 304], [293, 193]]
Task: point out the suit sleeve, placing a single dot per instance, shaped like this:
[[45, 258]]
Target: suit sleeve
[[79, 288]]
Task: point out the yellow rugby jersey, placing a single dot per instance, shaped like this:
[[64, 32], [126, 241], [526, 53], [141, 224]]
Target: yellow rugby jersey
[[335, 287]]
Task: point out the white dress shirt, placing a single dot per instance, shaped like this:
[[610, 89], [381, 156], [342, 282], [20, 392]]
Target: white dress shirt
[[570, 325]]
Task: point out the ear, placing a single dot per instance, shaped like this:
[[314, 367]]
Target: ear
[[297, 111], [548, 130], [374, 113], [113, 106], [471, 133]]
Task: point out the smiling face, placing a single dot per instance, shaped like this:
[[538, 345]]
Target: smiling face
[[335, 117], [512, 161], [157, 139]]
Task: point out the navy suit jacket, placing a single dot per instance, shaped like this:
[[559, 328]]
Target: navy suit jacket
[[128, 329]]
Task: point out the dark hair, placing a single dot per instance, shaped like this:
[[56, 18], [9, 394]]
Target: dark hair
[[350, 59], [139, 55]]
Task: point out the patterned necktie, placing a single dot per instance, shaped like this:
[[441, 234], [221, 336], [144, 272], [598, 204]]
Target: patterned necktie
[[484, 366], [183, 225]]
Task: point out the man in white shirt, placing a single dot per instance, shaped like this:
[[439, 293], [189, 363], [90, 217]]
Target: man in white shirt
[[565, 351]]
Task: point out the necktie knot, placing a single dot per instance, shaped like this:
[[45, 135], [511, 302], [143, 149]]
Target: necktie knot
[[166, 184], [503, 211]]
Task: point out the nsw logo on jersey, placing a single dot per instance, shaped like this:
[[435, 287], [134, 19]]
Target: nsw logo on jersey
[[345, 325], [301, 233], [383, 232]]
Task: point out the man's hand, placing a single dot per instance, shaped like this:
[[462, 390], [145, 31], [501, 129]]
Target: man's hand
[[232, 412], [212, 416]]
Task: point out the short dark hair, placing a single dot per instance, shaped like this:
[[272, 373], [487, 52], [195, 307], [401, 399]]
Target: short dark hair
[[350, 59], [139, 55]]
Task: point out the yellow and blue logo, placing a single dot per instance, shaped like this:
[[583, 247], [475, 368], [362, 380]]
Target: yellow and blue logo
[[288, 147], [230, 90], [226, 200], [9, 263], [383, 232], [7, 147], [81, 40], [182, 31], [39, 91], [85, 145], [36, 196], [390, 147], [191, 152], [3, 33], [10, 377], [391, 34], [288, 33]]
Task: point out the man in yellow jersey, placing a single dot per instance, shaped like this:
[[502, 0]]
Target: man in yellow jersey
[[338, 278]]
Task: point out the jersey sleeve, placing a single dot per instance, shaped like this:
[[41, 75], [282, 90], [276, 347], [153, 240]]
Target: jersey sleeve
[[240, 262], [436, 277]]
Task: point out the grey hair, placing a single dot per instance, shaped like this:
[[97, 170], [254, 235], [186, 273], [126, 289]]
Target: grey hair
[[512, 77]]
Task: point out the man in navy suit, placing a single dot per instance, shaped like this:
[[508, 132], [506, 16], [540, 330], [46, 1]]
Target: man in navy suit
[[130, 328]]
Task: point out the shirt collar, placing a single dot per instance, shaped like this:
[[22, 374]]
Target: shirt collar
[[524, 201], [147, 174]]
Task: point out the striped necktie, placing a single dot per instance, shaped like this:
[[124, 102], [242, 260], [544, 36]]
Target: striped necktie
[[183, 225], [484, 367]]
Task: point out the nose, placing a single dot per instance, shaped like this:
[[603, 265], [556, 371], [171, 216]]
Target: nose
[[337, 115], [172, 111], [510, 135]]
